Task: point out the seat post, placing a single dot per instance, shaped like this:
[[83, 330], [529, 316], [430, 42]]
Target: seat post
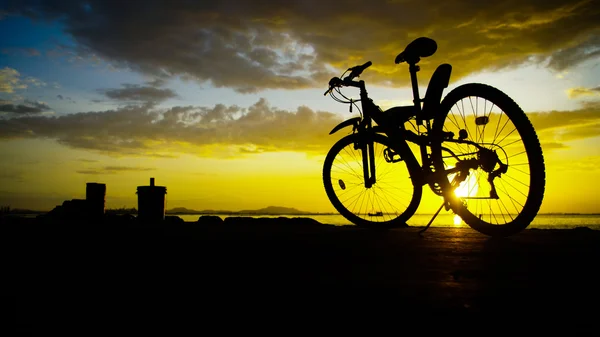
[[413, 69]]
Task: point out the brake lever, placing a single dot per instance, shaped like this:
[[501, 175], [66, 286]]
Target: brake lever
[[333, 82]]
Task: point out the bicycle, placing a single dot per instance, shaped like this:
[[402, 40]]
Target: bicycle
[[493, 179]]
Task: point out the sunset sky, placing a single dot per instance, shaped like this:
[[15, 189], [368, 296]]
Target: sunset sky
[[222, 101]]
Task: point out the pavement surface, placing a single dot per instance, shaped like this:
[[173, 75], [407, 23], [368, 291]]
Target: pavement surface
[[101, 275]]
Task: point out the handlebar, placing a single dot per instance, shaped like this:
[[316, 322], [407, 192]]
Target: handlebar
[[354, 72]]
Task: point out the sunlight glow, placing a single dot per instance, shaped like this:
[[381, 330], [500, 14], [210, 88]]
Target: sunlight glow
[[467, 188]]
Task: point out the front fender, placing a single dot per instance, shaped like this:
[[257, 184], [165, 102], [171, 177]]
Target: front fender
[[352, 121]]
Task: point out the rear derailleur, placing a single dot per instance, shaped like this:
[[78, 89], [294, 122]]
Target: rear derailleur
[[487, 161]]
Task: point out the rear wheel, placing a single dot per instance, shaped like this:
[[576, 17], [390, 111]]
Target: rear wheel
[[498, 183], [392, 199]]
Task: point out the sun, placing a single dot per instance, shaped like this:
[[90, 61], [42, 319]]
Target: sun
[[467, 188]]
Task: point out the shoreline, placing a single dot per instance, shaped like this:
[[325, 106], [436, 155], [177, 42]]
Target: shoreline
[[225, 219]]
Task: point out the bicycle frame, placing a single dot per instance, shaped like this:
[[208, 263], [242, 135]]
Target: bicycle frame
[[394, 131]]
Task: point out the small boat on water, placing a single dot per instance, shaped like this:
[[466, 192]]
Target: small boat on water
[[376, 214]]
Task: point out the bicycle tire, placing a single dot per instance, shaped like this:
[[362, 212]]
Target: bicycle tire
[[408, 167], [534, 179]]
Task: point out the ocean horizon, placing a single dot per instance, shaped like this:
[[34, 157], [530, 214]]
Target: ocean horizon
[[541, 221]]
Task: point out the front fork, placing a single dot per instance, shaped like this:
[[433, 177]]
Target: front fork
[[368, 159]]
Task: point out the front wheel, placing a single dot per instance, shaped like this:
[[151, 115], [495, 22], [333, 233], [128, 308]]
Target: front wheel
[[496, 176], [390, 201]]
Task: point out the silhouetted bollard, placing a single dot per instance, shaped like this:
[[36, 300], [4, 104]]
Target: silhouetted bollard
[[151, 203], [95, 196]]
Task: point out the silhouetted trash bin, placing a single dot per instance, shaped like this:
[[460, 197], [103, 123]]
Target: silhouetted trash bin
[[95, 196], [151, 202]]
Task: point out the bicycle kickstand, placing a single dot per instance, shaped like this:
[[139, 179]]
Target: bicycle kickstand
[[431, 221]]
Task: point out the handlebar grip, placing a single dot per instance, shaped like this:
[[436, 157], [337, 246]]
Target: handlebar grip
[[357, 70]]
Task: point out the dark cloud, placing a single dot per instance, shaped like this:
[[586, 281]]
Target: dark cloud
[[64, 98], [137, 93], [151, 131], [556, 127], [576, 53], [91, 172], [114, 170], [127, 168], [277, 44], [554, 120], [29, 107]]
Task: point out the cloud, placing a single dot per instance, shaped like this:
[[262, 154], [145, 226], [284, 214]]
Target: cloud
[[27, 52], [221, 130], [151, 131], [553, 120], [575, 53], [91, 172], [114, 170], [278, 44], [137, 93], [29, 107], [9, 80], [36, 82], [553, 145], [127, 168], [554, 128], [581, 91], [157, 82]]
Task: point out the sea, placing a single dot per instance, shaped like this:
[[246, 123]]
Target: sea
[[541, 221]]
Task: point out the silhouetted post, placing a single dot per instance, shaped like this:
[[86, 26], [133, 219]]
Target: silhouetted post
[[151, 202], [95, 196]]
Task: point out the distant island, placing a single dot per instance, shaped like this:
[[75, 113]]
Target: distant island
[[271, 210]]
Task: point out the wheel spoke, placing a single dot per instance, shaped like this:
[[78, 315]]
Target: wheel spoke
[[505, 131], [389, 198]]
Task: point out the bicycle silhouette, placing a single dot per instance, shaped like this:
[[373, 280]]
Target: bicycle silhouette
[[479, 152]]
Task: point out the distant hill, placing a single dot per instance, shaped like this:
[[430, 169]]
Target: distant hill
[[271, 210]]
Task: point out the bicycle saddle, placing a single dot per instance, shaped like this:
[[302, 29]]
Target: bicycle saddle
[[420, 47]]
